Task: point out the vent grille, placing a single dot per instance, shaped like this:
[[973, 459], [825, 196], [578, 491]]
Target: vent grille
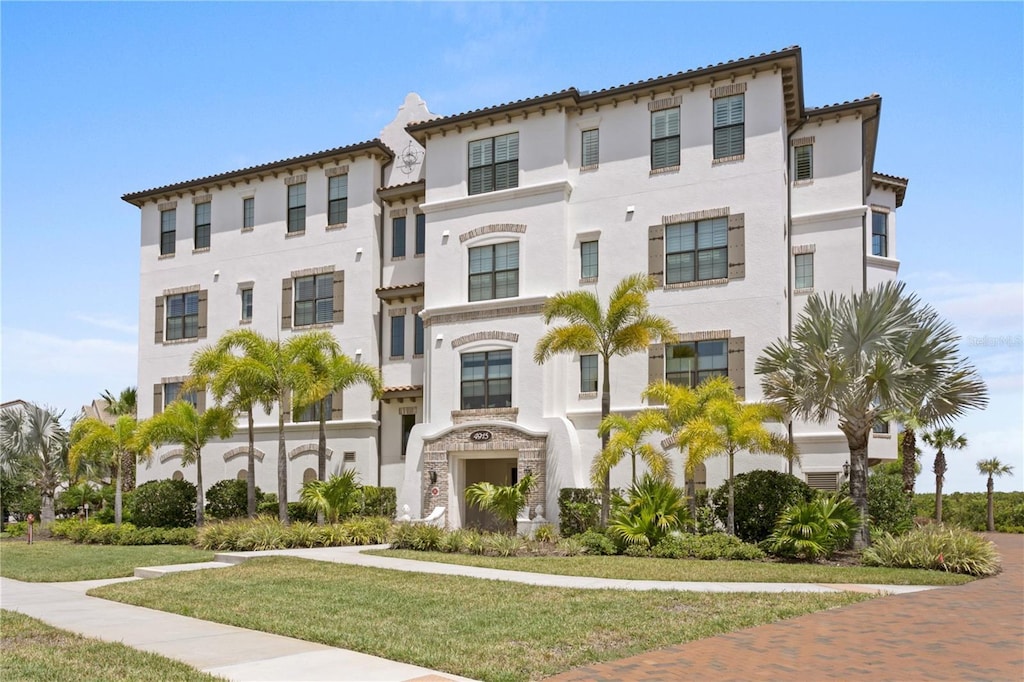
[[826, 480]]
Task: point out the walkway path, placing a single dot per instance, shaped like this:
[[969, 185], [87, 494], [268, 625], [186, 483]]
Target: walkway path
[[969, 632]]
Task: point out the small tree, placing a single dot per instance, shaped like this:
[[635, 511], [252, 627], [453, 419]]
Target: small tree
[[504, 501], [992, 467], [942, 439], [34, 444], [335, 498], [627, 438], [111, 446]]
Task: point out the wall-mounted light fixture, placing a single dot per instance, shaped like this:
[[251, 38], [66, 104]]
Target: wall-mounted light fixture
[[359, 352], [630, 209], [433, 477], [846, 470], [359, 251]]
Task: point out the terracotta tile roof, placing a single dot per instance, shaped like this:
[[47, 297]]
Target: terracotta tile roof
[[890, 178], [827, 108], [400, 185], [399, 287], [396, 389]]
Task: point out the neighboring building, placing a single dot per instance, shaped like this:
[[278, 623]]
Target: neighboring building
[[718, 181]]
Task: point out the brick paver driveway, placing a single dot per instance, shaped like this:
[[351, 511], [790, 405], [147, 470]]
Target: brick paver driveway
[[970, 632]]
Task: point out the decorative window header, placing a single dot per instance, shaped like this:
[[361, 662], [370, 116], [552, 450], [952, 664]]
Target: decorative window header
[[323, 270], [726, 90], [695, 215], [337, 170], [666, 103], [202, 199], [803, 248], [295, 179], [488, 229]]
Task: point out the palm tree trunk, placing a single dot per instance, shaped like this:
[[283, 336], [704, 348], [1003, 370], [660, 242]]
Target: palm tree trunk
[[46, 515], [940, 470], [990, 517], [250, 484], [282, 464], [909, 452], [691, 499], [118, 499], [321, 456], [858, 443], [730, 525], [606, 408], [633, 478], [200, 496]]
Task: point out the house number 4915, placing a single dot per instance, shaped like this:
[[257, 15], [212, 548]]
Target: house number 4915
[[480, 436]]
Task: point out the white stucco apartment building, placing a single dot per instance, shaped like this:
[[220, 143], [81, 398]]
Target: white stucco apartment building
[[429, 251]]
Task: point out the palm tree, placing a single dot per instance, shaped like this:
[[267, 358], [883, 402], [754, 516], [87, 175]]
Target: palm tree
[[860, 357], [992, 467], [722, 425], [333, 498], [625, 327], [504, 501], [237, 382], [109, 446], [181, 423], [33, 441], [942, 439], [124, 403], [627, 438]]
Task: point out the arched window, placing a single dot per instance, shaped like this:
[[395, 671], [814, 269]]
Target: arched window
[[178, 476]]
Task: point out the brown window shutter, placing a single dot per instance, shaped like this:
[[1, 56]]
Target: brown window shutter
[[158, 336], [656, 253], [286, 303], [738, 365], [203, 310], [201, 400], [737, 248], [158, 398], [336, 405], [655, 366], [339, 296]]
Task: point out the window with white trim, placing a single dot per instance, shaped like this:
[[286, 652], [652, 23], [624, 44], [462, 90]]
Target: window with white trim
[[297, 207], [182, 316], [398, 336], [202, 225], [728, 126], [494, 271], [398, 237], [879, 233], [697, 251], [590, 148], [803, 265], [588, 374], [247, 304], [665, 138], [588, 260], [314, 300], [486, 380], [494, 163], [337, 200], [168, 231], [248, 212]]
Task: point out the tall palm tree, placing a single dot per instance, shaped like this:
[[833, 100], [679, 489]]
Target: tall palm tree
[[627, 438], [32, 441], [855, 358], [237, 382], [95, 442], [181, 423], [124, 403], [942, 439], [722, 425], [992, 467], [625, 327]]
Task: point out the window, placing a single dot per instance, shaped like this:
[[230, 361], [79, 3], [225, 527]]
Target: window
[[337, 200], [494, 271], [804, 270], [688, 364], [494, 163], [804, 155], [590, 148], [881, 424], [202, 233], [421, 233], [588, 260], [417, 335], [314, 300], [311, 413], [168, 221], [697, 251], [408, 421], [297, 207], [398, 238], [665, 138], [487, 379], [182, 316], [728, 125], [398, 336], [172, 392], [247, 305], [879, 233], [248, 213], [588, 374]]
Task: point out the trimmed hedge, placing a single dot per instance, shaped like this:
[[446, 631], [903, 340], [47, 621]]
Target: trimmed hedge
[[759, 498], [268, 533], [229, 499], [164, 504], [579, 510], [709, 547], [378, 501], [95, 533]]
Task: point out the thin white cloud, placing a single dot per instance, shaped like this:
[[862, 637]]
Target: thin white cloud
[[108, 322]]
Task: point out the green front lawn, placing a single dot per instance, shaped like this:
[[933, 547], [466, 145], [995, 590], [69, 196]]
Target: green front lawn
[[50, 561], [484, 629], [32, 650], [689, 570]]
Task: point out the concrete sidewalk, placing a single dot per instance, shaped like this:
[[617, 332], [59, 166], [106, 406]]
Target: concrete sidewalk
[[230, 652]]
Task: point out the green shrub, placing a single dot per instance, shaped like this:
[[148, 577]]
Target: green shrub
[[163, 504], [504, 545], [401, 535], [579, 510], [426, 538], [969, 510], [571, 546], [936, 547], [267, 506], [816, 529], [637, 551], [597, 543], [302, 534], [888, 507], [369, 530], [546, 533], [262, 534], [376, 501], [17, 529], [455, 541], [655, 508], [229, 499], [299, 512], [758, 499], [713, 546]]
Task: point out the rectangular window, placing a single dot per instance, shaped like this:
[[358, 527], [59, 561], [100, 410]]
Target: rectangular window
[[879, 233], [421, 233], [172, 392], [804, 263], [408, 421], [487, 379], [697, 251], [337, 200], [588, 260], [665, 138], [804, 159], [202, 233], [588, 374], [728, 125], [688, 364], [311, 413], [494, 163], [168, 222], [494, 271], [417, 335], [398, 237], [881, 425], [398, 336], [591, 144], [314, 300], [182, 316], [247, 305], [248, 212], [297, 207]]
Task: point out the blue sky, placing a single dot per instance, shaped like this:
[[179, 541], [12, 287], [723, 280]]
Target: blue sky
[[107, 98]]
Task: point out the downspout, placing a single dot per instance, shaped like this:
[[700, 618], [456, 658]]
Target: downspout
[[380, 325], [789, 263]]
